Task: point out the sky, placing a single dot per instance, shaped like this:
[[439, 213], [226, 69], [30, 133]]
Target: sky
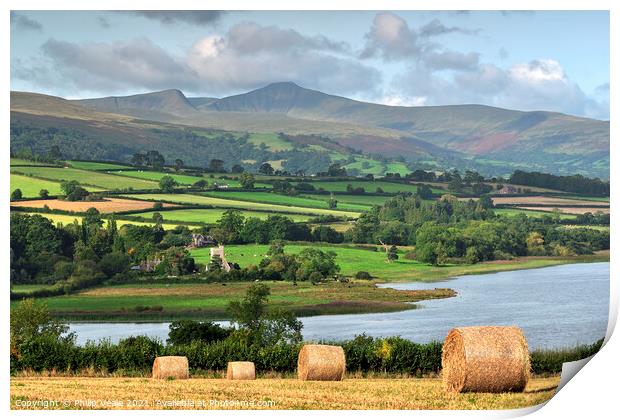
[[542, 60]]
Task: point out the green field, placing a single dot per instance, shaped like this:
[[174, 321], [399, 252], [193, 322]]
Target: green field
[[367, 166], [30, 187], [351, 260], [370, 186], [585, 197], [66, 219], [397, 168], [24, 162], [319, 202], [210, 300], [220, 202], [96, 166], [211, 216], [366, 200], [271, 140], [98, 179], [156, 176], [530, 213]]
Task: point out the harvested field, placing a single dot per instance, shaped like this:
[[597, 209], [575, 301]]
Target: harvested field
[[570, 210], [356, 394], [65, 219], [225, 203], [108, 205], [541, 200]]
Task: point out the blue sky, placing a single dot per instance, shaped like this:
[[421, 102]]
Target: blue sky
[[557, 61]]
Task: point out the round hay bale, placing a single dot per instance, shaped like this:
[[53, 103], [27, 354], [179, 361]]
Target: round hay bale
[[485, 359], [175, 367], [317, 362], [241, 370]]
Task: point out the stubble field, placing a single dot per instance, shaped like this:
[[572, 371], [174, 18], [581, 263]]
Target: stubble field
[[351, 393]]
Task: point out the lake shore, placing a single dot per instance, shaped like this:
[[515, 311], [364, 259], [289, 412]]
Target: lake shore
[[168, 302]]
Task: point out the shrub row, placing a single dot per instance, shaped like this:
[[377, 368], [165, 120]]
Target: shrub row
[[135, 355]]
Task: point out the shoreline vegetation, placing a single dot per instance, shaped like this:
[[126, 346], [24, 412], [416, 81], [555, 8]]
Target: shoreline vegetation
[[178, 299]]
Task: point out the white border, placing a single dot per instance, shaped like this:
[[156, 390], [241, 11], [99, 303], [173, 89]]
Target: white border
[[594, 391]]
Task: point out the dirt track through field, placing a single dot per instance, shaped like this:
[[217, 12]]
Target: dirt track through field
[[108, 205]]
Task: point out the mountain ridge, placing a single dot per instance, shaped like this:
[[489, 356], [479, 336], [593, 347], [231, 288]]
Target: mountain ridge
[[542, 140]]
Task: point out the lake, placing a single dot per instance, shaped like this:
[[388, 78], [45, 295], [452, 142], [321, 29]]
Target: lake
[[556, 307]]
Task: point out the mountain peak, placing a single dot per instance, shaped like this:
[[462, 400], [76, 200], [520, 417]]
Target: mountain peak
[[278, 97], [169, 101], [278, 85]]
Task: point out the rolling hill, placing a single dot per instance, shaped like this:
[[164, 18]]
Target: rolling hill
[[492, 140]]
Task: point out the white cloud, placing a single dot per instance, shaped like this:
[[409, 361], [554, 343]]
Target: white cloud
[[246, 57]]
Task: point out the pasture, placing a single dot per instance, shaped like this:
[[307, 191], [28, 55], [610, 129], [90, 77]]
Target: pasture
[[320, 202], [24, 162], [352, 259], [106, 205], [367, 200], [156, 176], [210, 300], [371, 186], [353, 393], [530, 213], [97, 179], [206, 200], [211, 216], [30, 187], [96, 166]]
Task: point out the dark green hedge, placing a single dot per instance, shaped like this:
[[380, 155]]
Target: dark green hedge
[[135, 355]]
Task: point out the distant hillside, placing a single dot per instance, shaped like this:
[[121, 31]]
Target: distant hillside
[[171, 102], [492, 140]]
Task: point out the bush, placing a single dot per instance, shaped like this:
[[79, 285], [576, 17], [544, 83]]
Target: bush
[[138, 353], [363, 275], [185, 332]]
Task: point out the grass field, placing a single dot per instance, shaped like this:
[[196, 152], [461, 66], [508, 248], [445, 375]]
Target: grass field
[[271, 140], [96, 166], [210, 301], [588, 198], [98, 179], [349, 394], [156, 176], [371, 186], [530, 213], [368, 200], [397, 167], [367, 166], [108, 205], [30, 187], [224, 203], [319, 202], [351, 260], [65, 219], [211, 216], [388, 187], [24, 162]]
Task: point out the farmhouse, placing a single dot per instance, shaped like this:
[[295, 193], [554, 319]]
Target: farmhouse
[[201, 241], [507, 189]]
